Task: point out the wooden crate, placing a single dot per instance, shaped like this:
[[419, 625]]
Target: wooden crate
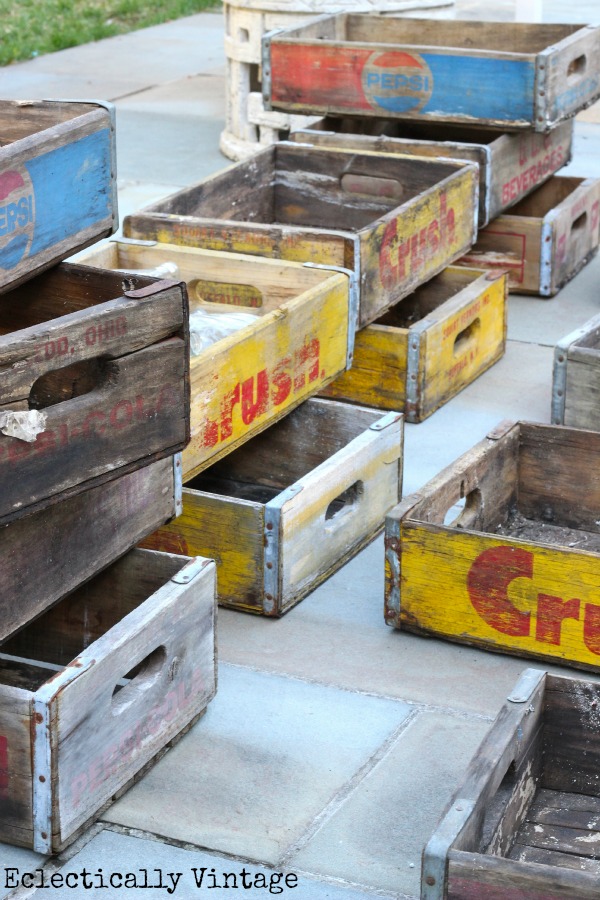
[[429, 346], [103, 366], [545, 239], [515, 570], [301, 338], [287, 510], [120, 667], [576, 378], [510, 165], [58, 185], [393, 220], [513, 77], [523, 823], [70, 541]]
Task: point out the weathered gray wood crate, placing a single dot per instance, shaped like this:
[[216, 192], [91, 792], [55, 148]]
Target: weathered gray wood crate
[[97, 368], [524, 822], [576, 378], [96, 688], [58, 182], [510, 165]]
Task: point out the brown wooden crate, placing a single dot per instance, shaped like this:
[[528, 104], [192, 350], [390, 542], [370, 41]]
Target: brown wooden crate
[[576, 378], [58, 189], [106, 361], [523, 821], [73, 740], [545, 239], [394, 221]]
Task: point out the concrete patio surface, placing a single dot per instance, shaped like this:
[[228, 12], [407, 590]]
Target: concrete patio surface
[[334, 742]]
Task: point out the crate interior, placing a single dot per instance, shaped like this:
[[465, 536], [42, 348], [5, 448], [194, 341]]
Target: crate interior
[[312, 187], [20, 120], [285, 452], [546, 197], [512, 37], [417, 131], [538, 483], [49, 643], [219, 281], [429, 297], [561, 825], [61, 290]]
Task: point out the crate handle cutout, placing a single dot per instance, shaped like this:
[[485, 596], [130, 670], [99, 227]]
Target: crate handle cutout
[[372, 186], [345, 501], [466, 337], [496, 806], [464, 512], [580, 223], [201, 291], [138, 680], [576, 67], [67, 383]]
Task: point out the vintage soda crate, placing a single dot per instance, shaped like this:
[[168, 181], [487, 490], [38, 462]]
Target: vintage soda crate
[[96, 689], [299, 339], [58, 183], [523, 823], [517, 76], [516, 569], [393, 220], [576, 378], [70, 541], [289, 508], [545, 239], [510, 165], [94, 382], [429, 346]]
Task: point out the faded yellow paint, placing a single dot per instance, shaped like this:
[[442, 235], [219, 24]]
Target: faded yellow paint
[[476, 588], [461, 345], [377, 377], [227, 530], [455, 343], [253, 377], [410, 247]]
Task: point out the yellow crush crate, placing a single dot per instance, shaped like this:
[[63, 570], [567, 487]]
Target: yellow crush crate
[[394, 220], [429, 346], [289, 508], [515, 570], [299, 337], [95, 689], [545, 239]]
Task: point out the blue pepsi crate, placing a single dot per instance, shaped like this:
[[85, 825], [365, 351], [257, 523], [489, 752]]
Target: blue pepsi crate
[[57, 183], [503, 75]]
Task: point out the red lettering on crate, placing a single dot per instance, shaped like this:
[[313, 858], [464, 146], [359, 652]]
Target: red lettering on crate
[[3, 767], [101, 333], [525, 181], [266, 390], [107, 764], [399, 259], [488, 582], [124, 413]]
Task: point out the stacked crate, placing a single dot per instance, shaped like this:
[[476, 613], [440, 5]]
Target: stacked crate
[[107, 652]]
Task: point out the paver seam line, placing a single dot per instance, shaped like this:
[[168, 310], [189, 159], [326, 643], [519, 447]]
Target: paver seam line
[[425, 707]]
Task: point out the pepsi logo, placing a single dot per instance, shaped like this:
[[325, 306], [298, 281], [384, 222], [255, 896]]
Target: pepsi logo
[[17, 216], [397, 81]]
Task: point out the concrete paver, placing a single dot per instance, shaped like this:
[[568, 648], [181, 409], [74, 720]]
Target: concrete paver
[[269, 754], [377, 836], [16, 858]]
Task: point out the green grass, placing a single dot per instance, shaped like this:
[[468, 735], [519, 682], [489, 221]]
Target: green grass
[[32, 27]]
